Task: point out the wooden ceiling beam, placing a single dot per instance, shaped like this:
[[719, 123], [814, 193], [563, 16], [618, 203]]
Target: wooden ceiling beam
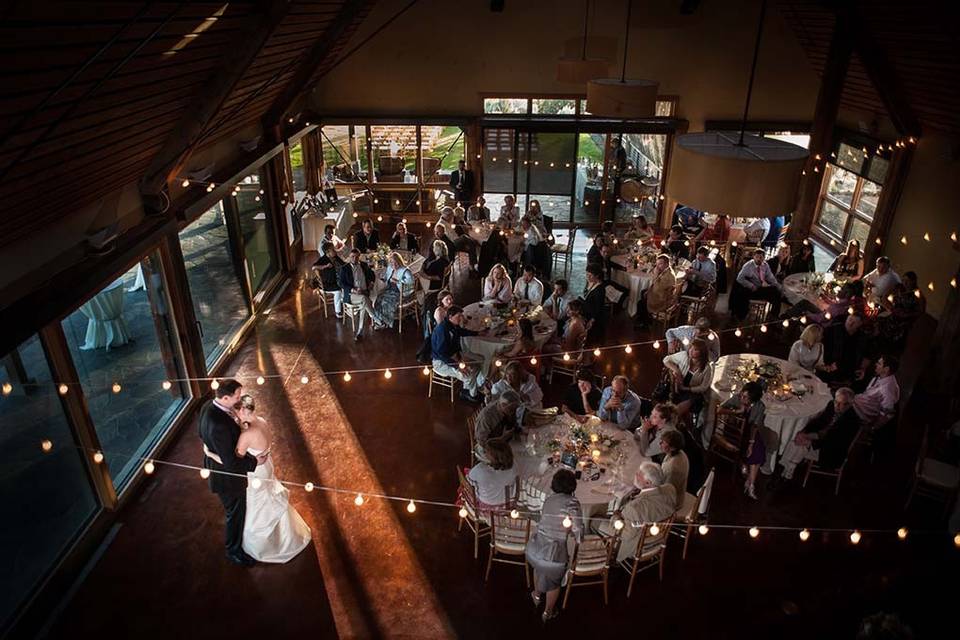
[[188, 133]]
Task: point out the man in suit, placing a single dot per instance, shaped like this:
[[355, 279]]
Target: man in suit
[[556, 304], [219, 431], [757, 278], [605, 262], [367, 239], [357, 281], [461, 181], [826, 438], [652, 501], [594, 304]]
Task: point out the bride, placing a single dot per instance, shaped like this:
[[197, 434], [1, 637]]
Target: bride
[[273, 531]]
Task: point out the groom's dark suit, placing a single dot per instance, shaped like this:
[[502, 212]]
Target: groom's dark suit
[[220, 433]]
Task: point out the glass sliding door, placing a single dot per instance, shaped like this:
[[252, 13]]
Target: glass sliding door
[[125, 335], [589, 181], [552, 169], [441, 148], [256, 231], [638, 184]]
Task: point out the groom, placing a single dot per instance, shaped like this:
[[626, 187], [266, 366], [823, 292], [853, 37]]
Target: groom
[[219, 430]]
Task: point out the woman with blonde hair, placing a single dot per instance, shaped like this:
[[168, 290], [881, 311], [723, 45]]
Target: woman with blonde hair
[[807, 352], [497, 286], [400, 283]]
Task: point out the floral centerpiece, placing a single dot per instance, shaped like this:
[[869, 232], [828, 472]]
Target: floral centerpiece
[[585, 442], [766, 372]]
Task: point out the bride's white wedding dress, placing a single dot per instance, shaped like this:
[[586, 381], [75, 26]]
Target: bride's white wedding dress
[[273, 531]]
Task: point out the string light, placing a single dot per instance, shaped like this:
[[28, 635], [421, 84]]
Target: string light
[[827, 315], [308, 487], [618, 524], [46, 446], [63, 389], [149, 467], [463, 512], [763, 328], [953, 282], [210, 187], [358, 500], [953, 236], [855, 537], [463, 365], [256, 483], [804, 535], [304, 379], [596, 353], [926, 236], [498, 363], [567, 523], [628, 349], [260, 380], [803, 319], [426, 371], [929, 286], [533, 361], [204, 473], [703, 529], [346, 376], [7, 388], [903, 240], [737, 332], [656, 344], [514, 514], [387, 374], [185, 183], [166, 385], [116, 387], [98, 457], [754, 532], [215, 384], [654, 530], [566, 357], [411, 507]]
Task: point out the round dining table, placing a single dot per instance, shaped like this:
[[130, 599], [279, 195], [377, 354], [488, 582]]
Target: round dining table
[[602, 483], [786, 415], [497, 334], [106, 326], [639, 279]]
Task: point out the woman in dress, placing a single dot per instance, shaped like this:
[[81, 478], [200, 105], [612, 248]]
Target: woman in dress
[[399, 281], [719, 232], [434, 268], [574, 329], [749, 405], [273, 531], [547, 548], [692, 373], [495, 478], [526, 344], [497, 286], [780, 263], [807, 351], [640, 230], [444, 302], [849, 264]]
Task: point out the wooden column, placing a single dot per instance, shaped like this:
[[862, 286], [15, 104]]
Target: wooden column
[[821, 134], [887, 205]]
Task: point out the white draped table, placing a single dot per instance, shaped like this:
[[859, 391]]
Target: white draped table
[[637, 280], [312, 224], [784, 418], [478, 317], [106, 326]]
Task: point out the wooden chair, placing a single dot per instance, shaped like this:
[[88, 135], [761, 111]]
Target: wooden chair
[[933, 478], [814, 468], [591, 559], [650, 550], [692, 307], [508, 537], [476, 520], [324, 297], [472, 435], [531, 496], [570, 367], [447, 382], [410, 306], [757, 311], [352, 311], [729, 438], [563, 253], [693, 512]]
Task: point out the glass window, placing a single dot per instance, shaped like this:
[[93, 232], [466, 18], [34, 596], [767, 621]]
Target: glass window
[[47, 496], [850, 157], [589, 182], [257, 232], [441, 148], [877, 171], [841, 186], [216, 288], [298, 171], [124, 334], [859, 230], [552, 162], [394, 152], [833, 219], [583, 107], [638, 183], [553, 106], [848, 204], [665, 108], [505, 105], [869, 196], [498, 160], [344, 153]]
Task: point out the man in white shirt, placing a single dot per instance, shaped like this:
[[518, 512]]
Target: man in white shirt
[[757, 230], [528, 287], [877, 404], [556, 304], [516, 378], [509, 213], [757, 278], [883, 279], [478, 212], [680, 337], [701, 274]]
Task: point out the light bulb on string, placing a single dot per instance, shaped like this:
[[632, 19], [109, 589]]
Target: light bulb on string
[[185, 183], [514, 514], [426, 371], [46, 446], [953, 236], [308, 487], [533, 361], [786, 323], [685, 342], [116, 388], [63, 389], [566, 357], [7, 388], [215, 384], [204, 473], [567, 522], [596, 352], [411, 507], [929, 286], [902, 533], [98, 457], [737, 332], [166, 384], [462, 365], [358, 500], [827, 315], [618, 524], [804, 535], [347, 376], [387, 374], [803, 319], [855, 537], [628, 349], [763, 328], [260, 380], [256, 483], [654, 530], [656, 344], [903, 240], [953, 282], [149, 467], [463, 512], [754, 532], [926, 236]]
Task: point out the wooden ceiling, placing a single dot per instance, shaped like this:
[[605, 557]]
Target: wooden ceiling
[[919, 40], [91, 91]]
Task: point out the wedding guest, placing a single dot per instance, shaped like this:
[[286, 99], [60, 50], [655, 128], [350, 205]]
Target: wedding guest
[[515, 378], [749, 404], [435, 267], [652, 501], [756, 231], [807, 351], [773, 235], [330, 236], [661, 294], [677, 244], [399, 289], [701, 274], [605, 262], [547, 548], [558, 301], [357, 280], [676, 465], [528, 287], [683, 336], [444, 302], [570, 338], [497, 285], [608, 232], [479, 212], [220, 433], [495, 478], [719, 232], [848, 353], [449, 221], [459, 214], [582, 398], [849, 264], [877, 405], [509, 213], [593, 254], [689, 219], [440, 233], [525, 346], [780, 263], [367, 238], [497, 420], [882, 279], [328, 187], [447, 355], [757, 278], [535, 216], [619, 405], [692, 374], [462, 181], [663, 418], [804, 262], [826, 438], [327, 269], [595, 304], [404, 241], [905, 304], [640, 230], [532, 239]]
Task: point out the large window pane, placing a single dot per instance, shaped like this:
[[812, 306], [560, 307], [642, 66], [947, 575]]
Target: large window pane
[[216, 287], [440, 151], [799, 139], [47, 496], [498, 160], [869, 196], [639, 184], [257, 232], [833, 218], [394, 151], [125, 334], [298, 170], [344, 153], [552, 162], [504, 105], [877, 171], [589, 178], [859, 230], [850, 157], [841, 185], [553, 106]]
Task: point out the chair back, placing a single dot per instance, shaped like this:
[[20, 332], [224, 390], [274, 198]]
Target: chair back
[[592, 555], [468, 492], [729, 436], [472, 434], [531, 496], [924, 448], [703, 494], [650, 544], [509, 535]]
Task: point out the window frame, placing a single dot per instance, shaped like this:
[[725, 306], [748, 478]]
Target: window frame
[[852, 210]]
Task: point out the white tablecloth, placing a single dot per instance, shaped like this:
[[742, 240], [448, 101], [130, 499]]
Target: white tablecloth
[[106, 326], [477, 315], [531, 460], [784, 419], [139, 284], [795, 289], [313, 224], [481, 233], [638, 280]]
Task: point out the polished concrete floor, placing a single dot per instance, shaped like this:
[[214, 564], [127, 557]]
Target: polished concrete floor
[[377, 571]]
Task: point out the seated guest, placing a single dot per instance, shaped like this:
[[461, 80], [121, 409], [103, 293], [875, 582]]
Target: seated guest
[[780, 263], [850, 296], [605, 262], [803, 262], [661, 294], [807, 351], [595, 303], [847, 353], [495, 478], [330, 236], [677, 244], [528, 287], [675, 465], [700, 275], [532, 239], [494, 251], [582, 398], [756, 231], [689, 332], [526, 344], [556, 304], [447, 355], [618, 404], [749, 404], [652, 501], [403, 241], [663, 418], [497, 285], [571, 336], [436, 265], [444, 302], [608, 232], [692, 373], [535, 216], [757, 278], [509, 213], [908, 303], [367, 238], [877, 405], [449, 222], [827, 436], [719, 232], [689, 219], [881, 280], [849, 264], [640, 230], [478, 212], [327, 269], [496, 421], [399, 289], [440, 233], [515, 378], [594, 255], [459, 214], [773, 235], [356, 281]]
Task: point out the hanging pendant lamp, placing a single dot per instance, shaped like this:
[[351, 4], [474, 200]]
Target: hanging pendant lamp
[[741, 175], [582, 69], [622, 98]]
